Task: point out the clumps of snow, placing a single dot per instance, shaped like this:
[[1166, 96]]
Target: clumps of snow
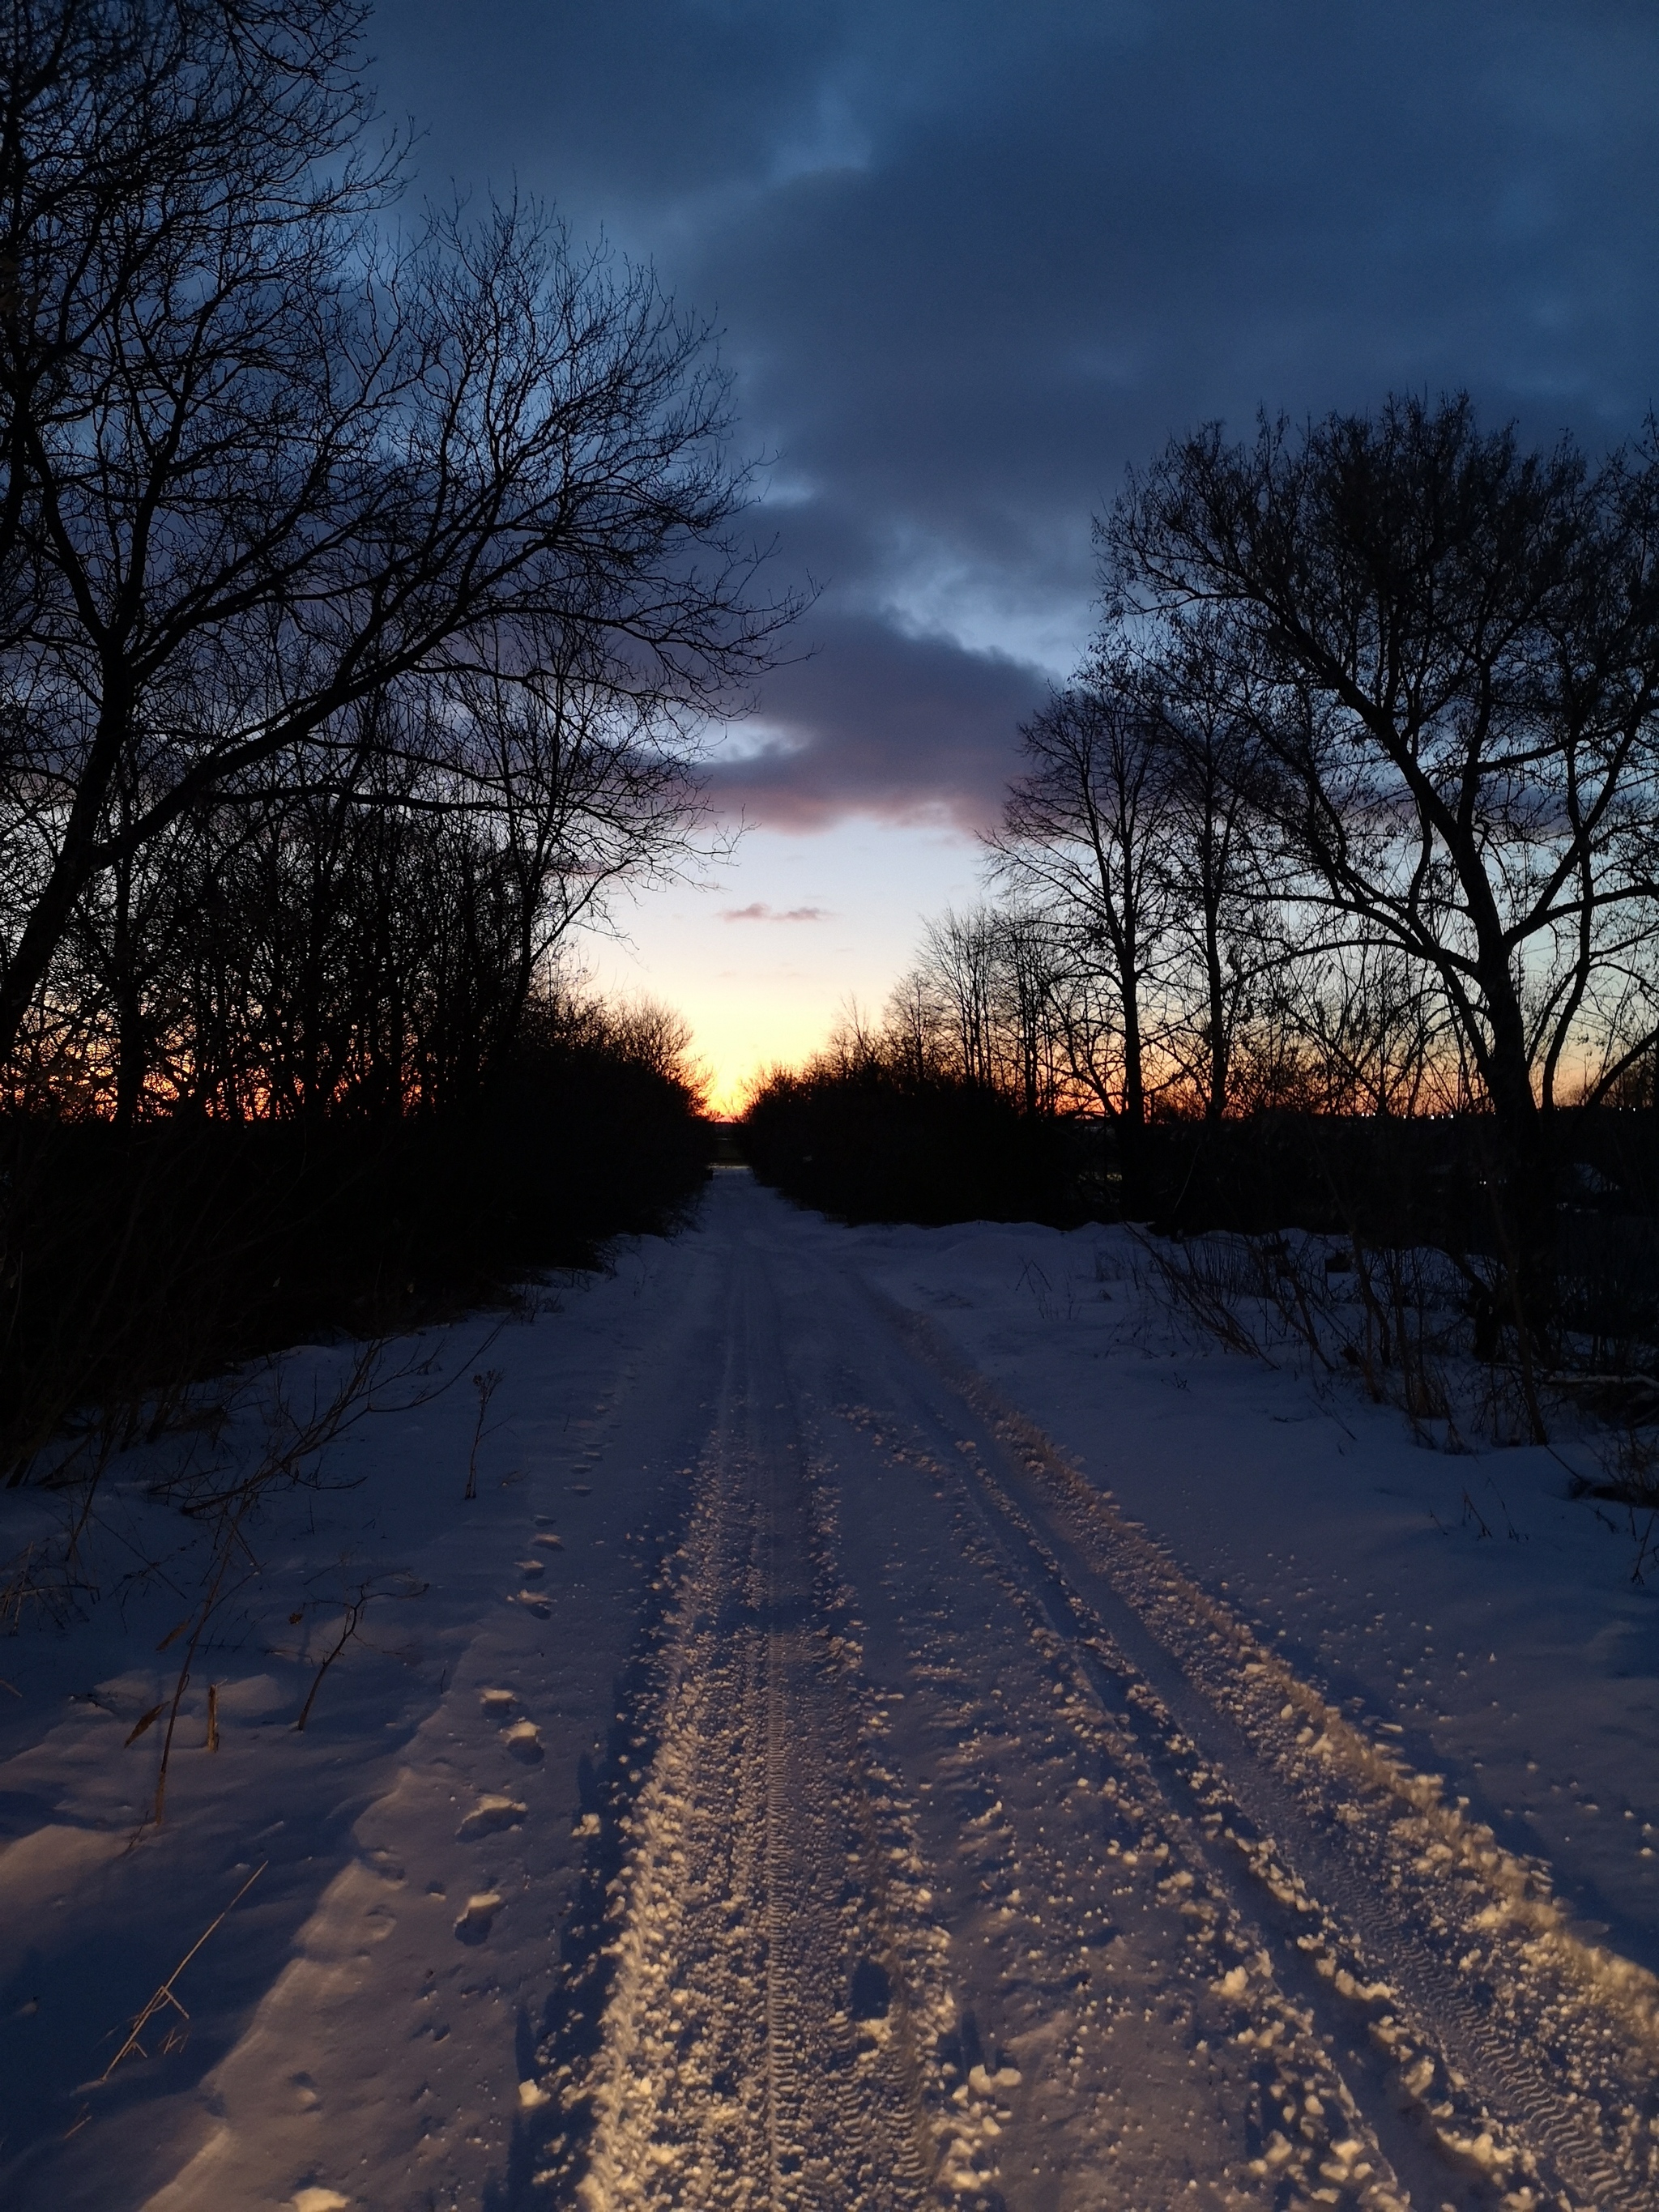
[[915, 1940], [985, 2084], [1481, 2155], [251, 1698], [1150, 1819], [489, 1814], [523, 1740], [1394, 1811], [475, 1922]]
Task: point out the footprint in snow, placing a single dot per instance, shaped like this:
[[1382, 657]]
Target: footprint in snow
[[488, 1814], [320, 2200], [523, 1740], [871, 1991], [498, 1703], [531, 1568], [533, 1602], [549, 1543], [474, 1923]]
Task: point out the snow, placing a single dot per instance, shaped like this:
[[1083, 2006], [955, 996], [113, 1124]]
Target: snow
[[901, 1722], [1521, 1668]]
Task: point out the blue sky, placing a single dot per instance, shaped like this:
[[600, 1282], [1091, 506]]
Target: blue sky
[[967, 262]]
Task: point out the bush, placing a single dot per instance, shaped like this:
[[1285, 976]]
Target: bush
[[867, 1143]]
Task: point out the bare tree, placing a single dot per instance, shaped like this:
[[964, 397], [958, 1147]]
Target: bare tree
[[959, 966], [1209, 846], [1454, 649], [1085, 837], [982, 1006], [261, 466], [586, 789], [1353, 1029], [914, 1024]]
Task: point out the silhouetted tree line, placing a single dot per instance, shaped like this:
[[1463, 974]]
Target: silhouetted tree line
[[365, 579], [1350, 810], [864, 1134], [137, 1264]]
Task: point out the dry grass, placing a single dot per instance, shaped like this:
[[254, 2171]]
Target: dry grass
[[165, 1999], [1398, 1320]]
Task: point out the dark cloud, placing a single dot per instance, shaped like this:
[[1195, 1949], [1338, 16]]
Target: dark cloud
[[970, 259], [911, 729]]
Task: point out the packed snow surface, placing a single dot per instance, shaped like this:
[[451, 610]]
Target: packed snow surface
[[897, 1725]]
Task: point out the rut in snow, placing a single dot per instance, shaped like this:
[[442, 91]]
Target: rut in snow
[[982, 1857], [759, 2046], [952, 1845], [1527, 2054]]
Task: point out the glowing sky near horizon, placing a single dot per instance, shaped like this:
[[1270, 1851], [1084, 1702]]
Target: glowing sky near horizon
[[768, 955], [968, 259]]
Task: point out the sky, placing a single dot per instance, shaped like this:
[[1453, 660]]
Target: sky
[[969, 261]]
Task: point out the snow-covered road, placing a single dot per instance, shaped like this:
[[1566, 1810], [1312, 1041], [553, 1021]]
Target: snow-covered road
[[834, 1799]]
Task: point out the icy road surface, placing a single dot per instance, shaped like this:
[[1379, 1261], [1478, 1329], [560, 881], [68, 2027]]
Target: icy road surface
[[846, 1805]]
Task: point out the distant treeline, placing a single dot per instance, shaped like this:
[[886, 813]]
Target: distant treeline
[[867, 1141], [864, 1137]]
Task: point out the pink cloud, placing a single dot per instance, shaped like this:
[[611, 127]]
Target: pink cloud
[[760, 912]]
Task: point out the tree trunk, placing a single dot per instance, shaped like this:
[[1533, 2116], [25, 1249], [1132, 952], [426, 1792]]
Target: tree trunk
[[129, 1048], [1215, 1106], [1523, 1188], [1131, 1118], [72, 871]]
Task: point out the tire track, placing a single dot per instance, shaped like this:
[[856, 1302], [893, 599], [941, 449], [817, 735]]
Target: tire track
[[1092, 1900], [1225, 2088], [1535, 2081], [759, 2047]]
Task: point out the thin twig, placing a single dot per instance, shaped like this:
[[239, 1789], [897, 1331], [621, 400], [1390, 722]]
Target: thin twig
[[356, 1608]]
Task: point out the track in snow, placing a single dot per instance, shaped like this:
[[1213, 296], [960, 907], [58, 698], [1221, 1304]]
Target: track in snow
[[759, 2043], [1524, 2056], [981, 1858]]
